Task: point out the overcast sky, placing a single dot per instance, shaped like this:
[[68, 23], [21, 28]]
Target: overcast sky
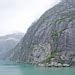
[[17, 15]]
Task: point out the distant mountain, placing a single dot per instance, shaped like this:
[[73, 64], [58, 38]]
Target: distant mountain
[[9, 41], [49, 40]]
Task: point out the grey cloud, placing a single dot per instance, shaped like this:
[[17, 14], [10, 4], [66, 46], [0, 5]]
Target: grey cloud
[[7, 4]]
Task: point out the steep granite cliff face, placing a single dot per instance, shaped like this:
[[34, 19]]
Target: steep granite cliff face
[[53, 35]]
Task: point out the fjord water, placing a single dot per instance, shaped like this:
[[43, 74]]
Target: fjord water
[[27, 69]]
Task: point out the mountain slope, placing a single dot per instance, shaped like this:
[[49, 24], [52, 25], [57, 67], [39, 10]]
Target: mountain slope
[[52, 36], [8, 42]]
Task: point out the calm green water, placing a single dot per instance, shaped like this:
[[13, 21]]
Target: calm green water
[[30, 70]]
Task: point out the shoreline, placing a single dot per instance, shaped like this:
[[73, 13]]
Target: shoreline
[[53, 65]]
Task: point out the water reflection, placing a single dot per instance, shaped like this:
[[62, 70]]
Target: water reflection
[[46, 71], [27, 69]]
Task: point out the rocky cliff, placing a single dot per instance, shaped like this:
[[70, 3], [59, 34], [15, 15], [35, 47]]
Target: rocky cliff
[[52, 36]]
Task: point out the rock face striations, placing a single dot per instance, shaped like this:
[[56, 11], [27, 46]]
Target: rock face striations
[[50, 39]]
